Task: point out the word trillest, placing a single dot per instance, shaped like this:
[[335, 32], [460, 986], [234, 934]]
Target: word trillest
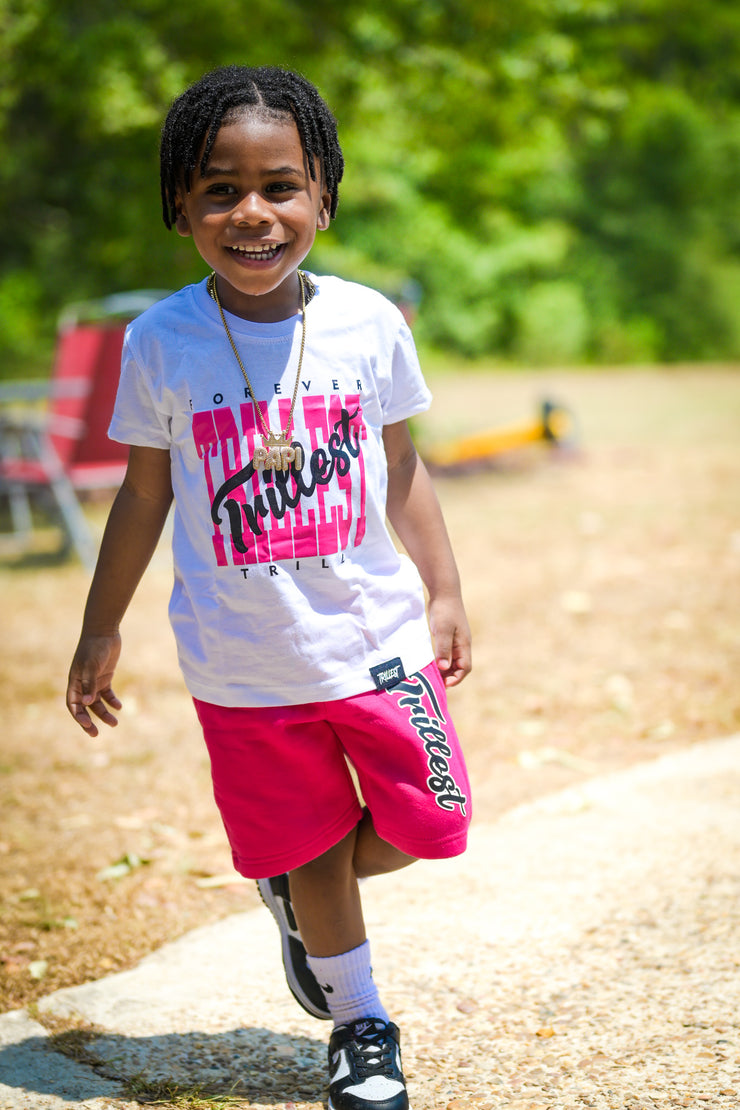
[[412, 694]]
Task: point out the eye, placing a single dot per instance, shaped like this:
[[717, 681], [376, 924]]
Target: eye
[[282, 187], [221, 189]]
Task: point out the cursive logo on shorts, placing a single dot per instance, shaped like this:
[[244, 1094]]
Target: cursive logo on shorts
[[417, 695]]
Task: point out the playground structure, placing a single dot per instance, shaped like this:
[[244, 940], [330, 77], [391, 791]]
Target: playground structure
[[554, 426], [53, 435]]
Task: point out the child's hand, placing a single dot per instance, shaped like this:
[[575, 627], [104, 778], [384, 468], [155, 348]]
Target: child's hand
[[451, 634], [90, 676]]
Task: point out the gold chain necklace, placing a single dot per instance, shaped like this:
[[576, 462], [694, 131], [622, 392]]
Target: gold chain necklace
[[276, 453]]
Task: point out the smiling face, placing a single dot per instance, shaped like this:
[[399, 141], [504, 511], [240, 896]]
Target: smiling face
[[254, 215]]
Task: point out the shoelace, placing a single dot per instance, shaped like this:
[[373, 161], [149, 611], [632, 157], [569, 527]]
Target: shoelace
[[372, 1053]]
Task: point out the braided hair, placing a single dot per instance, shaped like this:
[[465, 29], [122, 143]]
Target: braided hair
[[194, 119]]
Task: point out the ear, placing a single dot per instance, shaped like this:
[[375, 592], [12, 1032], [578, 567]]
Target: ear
[[324, 218], [182, 224]]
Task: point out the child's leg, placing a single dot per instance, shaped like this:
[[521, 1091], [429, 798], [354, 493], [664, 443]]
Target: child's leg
[[325, 895], [328, 911], [364, 1054], [326, 901]]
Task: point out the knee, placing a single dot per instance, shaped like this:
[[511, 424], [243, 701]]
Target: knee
[[380, 859], [375, 856]]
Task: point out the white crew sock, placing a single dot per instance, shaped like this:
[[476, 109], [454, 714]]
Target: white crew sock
[[347, 982]]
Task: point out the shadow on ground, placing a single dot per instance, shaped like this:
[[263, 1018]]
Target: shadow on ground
[[255, 1063]]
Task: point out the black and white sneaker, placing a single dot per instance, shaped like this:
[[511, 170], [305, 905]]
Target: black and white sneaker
[[275, 894], [365, 1067]]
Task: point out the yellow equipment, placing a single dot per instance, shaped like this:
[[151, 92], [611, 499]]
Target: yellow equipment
[[554, 425]]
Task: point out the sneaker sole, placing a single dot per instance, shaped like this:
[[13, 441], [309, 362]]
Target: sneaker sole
[[330, 1105], [294, 954]]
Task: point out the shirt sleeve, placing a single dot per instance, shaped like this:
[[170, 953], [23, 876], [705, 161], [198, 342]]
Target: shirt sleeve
[[138, 417], [408, 394]]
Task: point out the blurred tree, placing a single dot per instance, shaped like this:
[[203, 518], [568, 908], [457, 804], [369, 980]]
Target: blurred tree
[[559, 176]]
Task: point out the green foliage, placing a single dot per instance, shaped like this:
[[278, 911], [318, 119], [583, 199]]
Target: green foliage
[[552, 323], [560, 177]]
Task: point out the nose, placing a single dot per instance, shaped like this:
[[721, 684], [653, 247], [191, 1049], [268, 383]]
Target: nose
[[252, 209]]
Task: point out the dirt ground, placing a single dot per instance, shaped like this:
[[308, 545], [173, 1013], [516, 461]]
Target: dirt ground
[[603, 586]]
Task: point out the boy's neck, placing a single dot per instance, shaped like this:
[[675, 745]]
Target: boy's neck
[[264, 308]]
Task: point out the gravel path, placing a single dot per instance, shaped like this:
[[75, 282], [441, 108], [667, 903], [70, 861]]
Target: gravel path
[[585, 952]]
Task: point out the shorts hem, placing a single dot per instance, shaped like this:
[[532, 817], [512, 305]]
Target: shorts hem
[[266, 867], [427, 849]]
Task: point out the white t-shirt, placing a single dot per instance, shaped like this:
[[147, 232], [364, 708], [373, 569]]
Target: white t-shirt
[[288, 588]]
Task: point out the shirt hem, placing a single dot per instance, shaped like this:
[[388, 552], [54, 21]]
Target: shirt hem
[[241, 697]]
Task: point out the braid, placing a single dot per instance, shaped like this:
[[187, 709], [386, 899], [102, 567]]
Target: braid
[[194, 119]]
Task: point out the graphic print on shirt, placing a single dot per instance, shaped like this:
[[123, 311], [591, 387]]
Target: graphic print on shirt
[[265, 516]]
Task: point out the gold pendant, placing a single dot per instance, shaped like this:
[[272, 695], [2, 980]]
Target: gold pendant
[[277, 453]]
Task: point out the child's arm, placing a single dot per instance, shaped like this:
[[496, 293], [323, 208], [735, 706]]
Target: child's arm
[[415, 513], [131, 534]]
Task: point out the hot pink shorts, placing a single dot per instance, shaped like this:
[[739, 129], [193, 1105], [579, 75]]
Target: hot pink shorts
[[285, 793]]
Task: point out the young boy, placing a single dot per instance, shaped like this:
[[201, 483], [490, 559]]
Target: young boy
[[273, 405]]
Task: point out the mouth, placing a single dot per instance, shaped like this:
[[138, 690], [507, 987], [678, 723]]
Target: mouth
[[258, 252]]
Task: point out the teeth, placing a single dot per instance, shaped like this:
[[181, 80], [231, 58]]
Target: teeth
[[258, 251]]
